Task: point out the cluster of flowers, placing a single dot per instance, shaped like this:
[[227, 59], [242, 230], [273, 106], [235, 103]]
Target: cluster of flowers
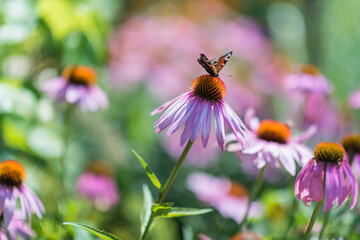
[[326, 174]]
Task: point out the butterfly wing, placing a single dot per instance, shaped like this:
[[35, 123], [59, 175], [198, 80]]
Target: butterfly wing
[[207, 65], [219, 62]]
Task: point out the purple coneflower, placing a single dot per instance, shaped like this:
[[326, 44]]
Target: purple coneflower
[[327, 175], [309, 80], [228, 197], [98, 186], [195, 109], [354, 100], [12, 177], [351, 144], [77, 85], [16, 228], [273, 142]]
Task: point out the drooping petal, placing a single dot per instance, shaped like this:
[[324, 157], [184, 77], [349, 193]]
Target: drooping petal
[[167, 104], [206, 128], [288, 162], [182, 115], [353, 184], [235, 124], [190, 122], [198, 122], [219, 126], [9, 207], [331, 186], [308, 133]]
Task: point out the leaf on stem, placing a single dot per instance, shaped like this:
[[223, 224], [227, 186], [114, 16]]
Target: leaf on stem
[[99, 233], [166, 210], [148, 201], [161, 209], [149, 172]]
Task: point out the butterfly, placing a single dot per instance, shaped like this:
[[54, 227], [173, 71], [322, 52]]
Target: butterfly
[[213, 66]]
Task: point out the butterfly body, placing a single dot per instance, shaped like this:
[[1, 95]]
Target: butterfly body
[[213, 66]]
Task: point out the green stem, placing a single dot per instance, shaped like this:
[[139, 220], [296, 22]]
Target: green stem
[[326, 220], [313, 219], [62, 160], [167, 186], [254, 192]]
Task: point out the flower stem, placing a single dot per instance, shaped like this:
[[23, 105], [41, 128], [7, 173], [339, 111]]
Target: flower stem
[[326, 220], [313, 219], [168, 184], [254, 192]]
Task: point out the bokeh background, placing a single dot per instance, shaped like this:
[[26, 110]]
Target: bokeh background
[[144, 53]]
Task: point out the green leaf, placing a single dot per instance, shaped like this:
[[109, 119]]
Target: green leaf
[[149, 172], [99, 233], [148, 201], [181, 212], [161, 209]]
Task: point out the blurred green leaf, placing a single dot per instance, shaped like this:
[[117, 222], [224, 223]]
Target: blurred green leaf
[[99, 233], [149, 172], [181, 212], [161, 209], [148, 201]]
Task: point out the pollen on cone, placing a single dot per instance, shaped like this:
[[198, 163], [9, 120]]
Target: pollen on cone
[[274, 131], [12, 173], [329, 152]]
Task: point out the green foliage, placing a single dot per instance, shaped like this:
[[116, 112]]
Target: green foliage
[[99, 233], [149, 172], [148, 201]]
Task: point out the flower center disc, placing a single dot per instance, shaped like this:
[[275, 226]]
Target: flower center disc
[[310, 69], [237, 190], [209, 87], [329, 152], [12, 173], [351, 143], [274, 131], [100, 168], [80, 75]]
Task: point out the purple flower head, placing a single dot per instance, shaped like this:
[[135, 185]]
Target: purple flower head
[[309, 80], [77, 85], [16, 228], [12, 177], [351, 144], [98, 186], [354, 100], [327, 175], [195, 109], [273, 143], [229, 198]]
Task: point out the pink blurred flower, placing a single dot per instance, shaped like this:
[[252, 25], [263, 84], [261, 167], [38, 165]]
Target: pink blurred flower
[[229, 198], [329, 164], [12, 177], [160, 50], [17, 228], [195, 108], [273, 142], [97, 185], [354, 99], [320, 111], [77, 85], [309, 80]]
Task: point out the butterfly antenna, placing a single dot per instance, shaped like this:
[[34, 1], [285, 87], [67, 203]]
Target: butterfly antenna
[[228, 75]]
